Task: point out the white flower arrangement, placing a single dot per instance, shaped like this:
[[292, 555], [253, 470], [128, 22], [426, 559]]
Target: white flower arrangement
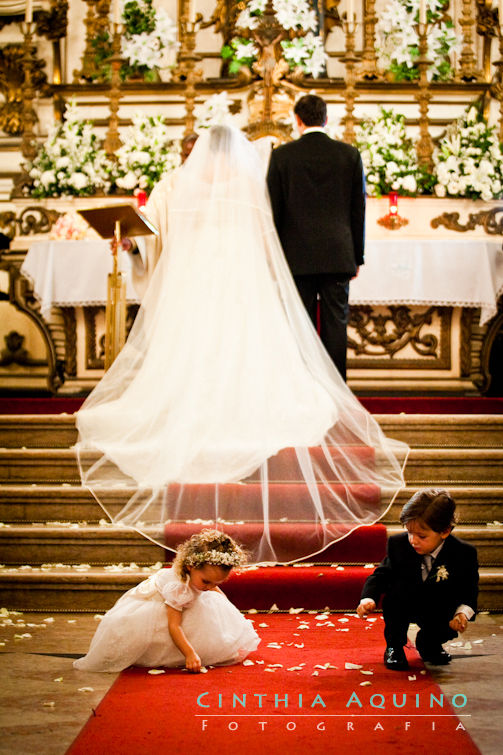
[[71, 161], [397, 42], [215, 111], [146, 155], [306, 51], [469, 159], [389, 156], [149, 36]]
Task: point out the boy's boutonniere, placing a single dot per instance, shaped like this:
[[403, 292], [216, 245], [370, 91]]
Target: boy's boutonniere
[[441, 573]]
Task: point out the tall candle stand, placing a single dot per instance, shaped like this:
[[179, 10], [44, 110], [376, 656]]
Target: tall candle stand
[[187, 71], [467, 61], [350, 60], [497, 85], [29, 116], [368, 68], [112, 140], [425, 143]]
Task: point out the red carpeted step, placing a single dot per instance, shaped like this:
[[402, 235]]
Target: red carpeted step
[[365, 544], [309, 587]]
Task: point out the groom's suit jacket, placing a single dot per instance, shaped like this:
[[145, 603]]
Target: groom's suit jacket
[[317, 191], [398, 577]]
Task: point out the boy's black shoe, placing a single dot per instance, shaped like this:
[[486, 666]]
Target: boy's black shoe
[[394, 659], [432, 654]]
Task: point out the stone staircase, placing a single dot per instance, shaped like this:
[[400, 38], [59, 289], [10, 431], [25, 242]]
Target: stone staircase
[[57, 555]]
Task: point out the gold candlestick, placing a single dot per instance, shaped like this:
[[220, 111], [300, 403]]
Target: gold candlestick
[[115, 313], [497, 84], [425, 143], [467, 62], [186, 70], [112, 140], [349, 60], [29, 118], [368, 69]]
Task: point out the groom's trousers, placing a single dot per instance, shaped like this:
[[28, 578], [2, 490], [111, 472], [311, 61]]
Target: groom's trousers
[[333, 291]]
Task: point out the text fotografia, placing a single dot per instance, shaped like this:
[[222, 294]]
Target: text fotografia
[[261, 700]]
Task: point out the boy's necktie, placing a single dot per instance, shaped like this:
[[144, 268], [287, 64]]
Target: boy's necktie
[[428, 563]]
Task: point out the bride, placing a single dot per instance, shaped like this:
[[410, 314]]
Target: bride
[[223, 406]]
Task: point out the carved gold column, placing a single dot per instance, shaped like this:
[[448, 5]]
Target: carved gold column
[[368, 68], [468, 70], [497, 85], [425, 143], [349, 60], [112, 140]]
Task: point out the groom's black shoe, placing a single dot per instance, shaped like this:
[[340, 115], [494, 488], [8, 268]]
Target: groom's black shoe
[[434, 654], [394, 659]]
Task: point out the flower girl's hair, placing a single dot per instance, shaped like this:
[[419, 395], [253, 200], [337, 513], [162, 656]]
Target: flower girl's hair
[[208, 547]]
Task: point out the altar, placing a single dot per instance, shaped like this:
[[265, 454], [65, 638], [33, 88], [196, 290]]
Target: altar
[[423, 308]]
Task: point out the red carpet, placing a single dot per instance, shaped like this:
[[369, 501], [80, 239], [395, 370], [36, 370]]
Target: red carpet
[[252, 710], [374, 404]]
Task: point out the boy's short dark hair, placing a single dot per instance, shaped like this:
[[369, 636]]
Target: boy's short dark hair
[[433, 506], [312, 110]]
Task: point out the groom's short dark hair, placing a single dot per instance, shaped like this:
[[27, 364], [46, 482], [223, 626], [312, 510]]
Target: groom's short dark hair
[[312, 110]]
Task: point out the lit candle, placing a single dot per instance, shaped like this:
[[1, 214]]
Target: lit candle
[[351, 10], [500, 13], [191, 11], [422, 11], [117, 12], [29, 11]]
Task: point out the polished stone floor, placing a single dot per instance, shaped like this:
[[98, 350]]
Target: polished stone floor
[[45, 702]]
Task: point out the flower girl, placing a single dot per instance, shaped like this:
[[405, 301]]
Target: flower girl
[[178, 616]]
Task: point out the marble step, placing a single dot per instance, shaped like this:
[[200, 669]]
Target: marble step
[[96, 589], [72, 503], [35, 545], [444, 466], [427, 430]]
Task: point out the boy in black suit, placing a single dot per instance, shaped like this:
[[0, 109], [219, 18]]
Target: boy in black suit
[[317, 190], [428, 577]]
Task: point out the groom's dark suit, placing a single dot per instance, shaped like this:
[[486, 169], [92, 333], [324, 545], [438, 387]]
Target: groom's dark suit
[[317, 191], [430, 604]]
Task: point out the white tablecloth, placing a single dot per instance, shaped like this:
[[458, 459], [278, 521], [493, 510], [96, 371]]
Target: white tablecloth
[[457, 273], [73, 273]]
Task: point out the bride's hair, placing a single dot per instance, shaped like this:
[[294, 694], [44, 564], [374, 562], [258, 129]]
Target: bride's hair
[[208, 547]]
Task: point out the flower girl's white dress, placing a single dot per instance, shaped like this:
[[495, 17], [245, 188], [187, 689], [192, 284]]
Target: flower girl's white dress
[[135, 631]]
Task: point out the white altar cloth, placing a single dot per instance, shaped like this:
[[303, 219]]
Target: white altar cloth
[[73, 273], [450, 272]]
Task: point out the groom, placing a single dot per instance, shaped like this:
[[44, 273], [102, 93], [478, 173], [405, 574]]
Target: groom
[[317, 190]]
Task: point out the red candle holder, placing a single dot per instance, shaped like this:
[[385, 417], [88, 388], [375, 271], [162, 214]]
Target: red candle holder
[[392, 221]]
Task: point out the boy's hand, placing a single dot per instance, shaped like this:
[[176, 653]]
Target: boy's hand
[[459, 622], [367, 605], [193, 662]]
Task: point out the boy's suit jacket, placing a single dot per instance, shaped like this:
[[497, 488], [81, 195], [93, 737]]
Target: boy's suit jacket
[[317, 191], [398, 577]]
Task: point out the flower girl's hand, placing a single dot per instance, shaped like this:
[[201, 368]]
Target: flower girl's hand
[[193, 662]]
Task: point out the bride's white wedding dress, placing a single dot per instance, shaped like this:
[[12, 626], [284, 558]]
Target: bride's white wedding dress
[[222, 371]]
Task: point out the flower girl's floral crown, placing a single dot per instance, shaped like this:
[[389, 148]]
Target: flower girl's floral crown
[[215, 558], [208, 547]]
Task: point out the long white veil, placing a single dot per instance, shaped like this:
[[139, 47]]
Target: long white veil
[[224, 407]]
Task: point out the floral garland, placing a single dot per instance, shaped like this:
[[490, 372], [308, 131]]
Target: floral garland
[[397, 42], [306, 51], [389, 156], [146, 155], [215, 558], [70, 162], [469, 159]]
